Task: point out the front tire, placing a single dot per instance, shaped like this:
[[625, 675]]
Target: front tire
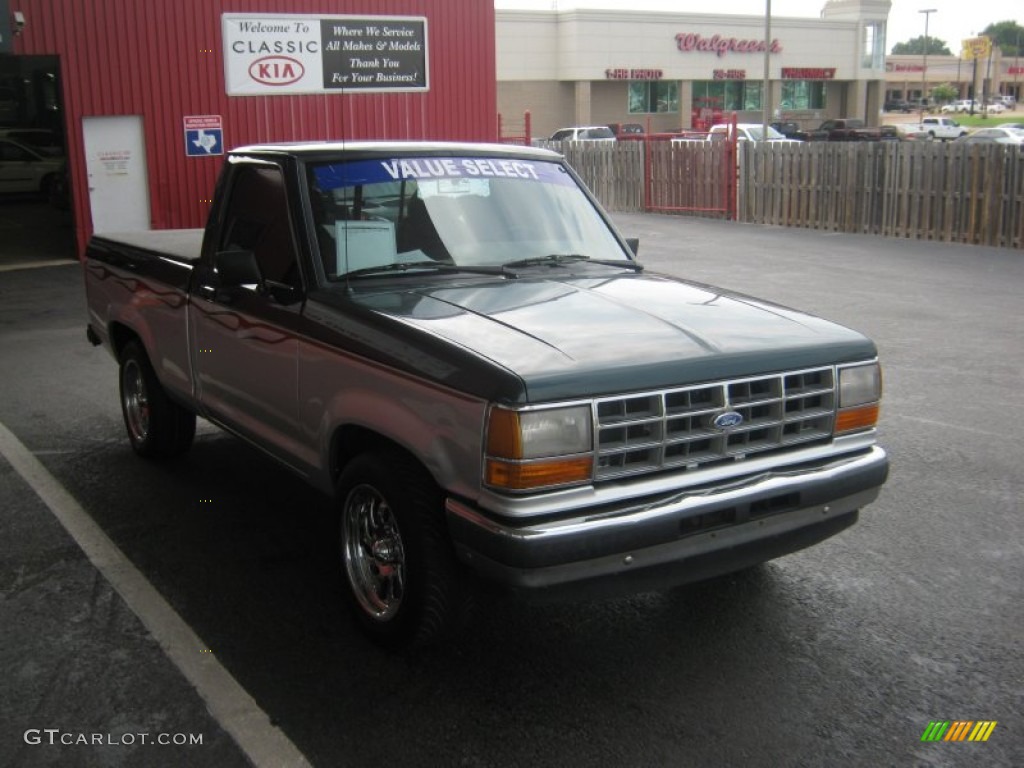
[[404, 583], [157, 426]]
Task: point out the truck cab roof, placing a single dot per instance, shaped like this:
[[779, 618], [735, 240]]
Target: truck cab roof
[[317, 150]]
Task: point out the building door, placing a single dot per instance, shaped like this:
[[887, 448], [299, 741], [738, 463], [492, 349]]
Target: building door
[[115, 161]]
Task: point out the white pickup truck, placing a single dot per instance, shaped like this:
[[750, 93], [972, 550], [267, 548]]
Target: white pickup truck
[[942, 128]]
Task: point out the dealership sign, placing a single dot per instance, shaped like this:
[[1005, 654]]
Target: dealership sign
[[288, 54]]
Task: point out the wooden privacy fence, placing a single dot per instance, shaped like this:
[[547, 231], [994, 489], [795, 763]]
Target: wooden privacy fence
[[613, 171], [697, 177], [922, 190], [656, 175]]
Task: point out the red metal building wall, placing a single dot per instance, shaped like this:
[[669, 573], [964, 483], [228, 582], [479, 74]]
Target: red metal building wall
[[163, 61]]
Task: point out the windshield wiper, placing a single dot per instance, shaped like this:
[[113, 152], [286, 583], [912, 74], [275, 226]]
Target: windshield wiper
[[420, 266], [554, 259]]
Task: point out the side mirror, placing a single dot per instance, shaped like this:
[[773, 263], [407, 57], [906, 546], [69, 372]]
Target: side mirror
[[236, 268], [634, 244]]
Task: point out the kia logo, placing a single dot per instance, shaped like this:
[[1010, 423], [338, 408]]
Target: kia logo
[[276, 70], [728, 420]]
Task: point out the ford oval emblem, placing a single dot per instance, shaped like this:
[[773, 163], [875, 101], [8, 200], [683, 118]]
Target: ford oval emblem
[[728, 420]]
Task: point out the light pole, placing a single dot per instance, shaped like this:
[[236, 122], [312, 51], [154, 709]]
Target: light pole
[[766, 101], [1016, 68], [924, 73]]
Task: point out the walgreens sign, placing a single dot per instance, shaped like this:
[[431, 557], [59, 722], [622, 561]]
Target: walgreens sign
[[688, 42]]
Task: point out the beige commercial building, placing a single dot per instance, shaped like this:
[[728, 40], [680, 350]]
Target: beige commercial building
[[676, 70], [911, 77]]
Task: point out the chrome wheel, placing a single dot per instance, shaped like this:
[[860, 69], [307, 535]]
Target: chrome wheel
[[373, 552], [136, 401]]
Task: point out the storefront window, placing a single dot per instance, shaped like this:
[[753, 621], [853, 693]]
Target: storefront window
[[874, 46], [733, 95], [803, 94], [648, 97]]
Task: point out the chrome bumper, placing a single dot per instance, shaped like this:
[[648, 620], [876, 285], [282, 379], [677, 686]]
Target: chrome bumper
[[673, 538]]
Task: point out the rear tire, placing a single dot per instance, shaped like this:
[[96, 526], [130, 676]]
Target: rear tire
[[405, 585], [157, 426]]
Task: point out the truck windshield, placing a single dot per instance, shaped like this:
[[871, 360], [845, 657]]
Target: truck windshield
[[461, 211]]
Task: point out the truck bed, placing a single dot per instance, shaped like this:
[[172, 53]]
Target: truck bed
[[178, 244]]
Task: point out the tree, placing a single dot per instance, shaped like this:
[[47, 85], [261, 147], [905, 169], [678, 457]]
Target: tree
[[944, 93], [915, 46], [1008, 35]]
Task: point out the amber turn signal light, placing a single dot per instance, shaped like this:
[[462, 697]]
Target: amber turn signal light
[[514, 476], [854, 419]]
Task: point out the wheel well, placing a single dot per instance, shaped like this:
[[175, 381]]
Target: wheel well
[[120, 335], [351, 440]]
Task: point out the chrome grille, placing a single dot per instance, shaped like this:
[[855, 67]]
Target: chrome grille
[[674, 428]]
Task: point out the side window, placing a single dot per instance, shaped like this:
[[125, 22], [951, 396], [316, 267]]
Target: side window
[[12, 153], [257, 220]]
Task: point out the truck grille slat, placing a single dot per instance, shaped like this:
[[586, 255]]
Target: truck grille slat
[[675, 428]]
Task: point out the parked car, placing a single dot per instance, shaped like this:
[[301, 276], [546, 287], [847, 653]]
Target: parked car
[[789, 129], [844, 129], [23, 169], [584, 133], [627, 130], [897, 105], [903, 132], [964, 105], [42, 140], [995, 108], [998, 134], [942, 128], [746, 132]]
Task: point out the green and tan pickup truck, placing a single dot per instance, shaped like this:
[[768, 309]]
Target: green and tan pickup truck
[[455, 343]]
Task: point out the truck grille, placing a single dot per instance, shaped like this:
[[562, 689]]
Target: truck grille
[[674, 428]]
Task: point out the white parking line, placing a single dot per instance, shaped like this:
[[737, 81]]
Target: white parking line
[[228, 702]]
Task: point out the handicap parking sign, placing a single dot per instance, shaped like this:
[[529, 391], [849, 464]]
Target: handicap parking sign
[[204, 135]]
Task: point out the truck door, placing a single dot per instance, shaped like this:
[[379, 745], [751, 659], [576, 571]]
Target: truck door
[[244, 344]]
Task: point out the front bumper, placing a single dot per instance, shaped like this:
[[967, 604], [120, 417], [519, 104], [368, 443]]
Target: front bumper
[[673, 538]]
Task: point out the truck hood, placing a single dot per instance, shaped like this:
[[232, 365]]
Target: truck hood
[[588, 334]]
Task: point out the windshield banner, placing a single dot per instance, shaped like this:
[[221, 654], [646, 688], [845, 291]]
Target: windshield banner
[[429, 168]]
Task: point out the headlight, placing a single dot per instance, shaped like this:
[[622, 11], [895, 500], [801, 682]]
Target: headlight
[[860, 389], [538, 449]]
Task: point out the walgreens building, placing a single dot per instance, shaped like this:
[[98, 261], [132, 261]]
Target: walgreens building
[[673, 70]]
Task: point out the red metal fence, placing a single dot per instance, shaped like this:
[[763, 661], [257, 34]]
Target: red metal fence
[[515, 131]]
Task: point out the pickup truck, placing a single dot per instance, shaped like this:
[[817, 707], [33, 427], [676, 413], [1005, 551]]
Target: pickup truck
[[842, 129], [455, 343], [942, 128]]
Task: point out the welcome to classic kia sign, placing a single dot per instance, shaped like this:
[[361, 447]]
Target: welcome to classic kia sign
[[293, 54]]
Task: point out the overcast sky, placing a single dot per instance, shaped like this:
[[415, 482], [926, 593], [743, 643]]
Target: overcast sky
[[953, 21]]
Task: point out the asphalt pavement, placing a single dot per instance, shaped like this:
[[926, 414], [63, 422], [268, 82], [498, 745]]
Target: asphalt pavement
[[840, 655]]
